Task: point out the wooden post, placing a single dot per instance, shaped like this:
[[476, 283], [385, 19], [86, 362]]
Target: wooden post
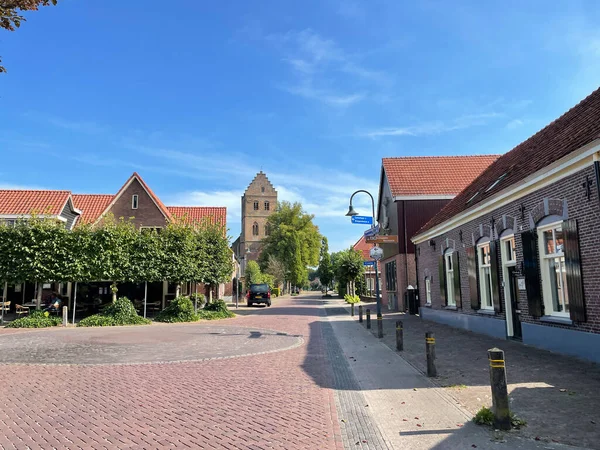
[[379, 327], [65, 316], [360, 313], [430, 350], [399, 336], [499, 389], [368, 319]]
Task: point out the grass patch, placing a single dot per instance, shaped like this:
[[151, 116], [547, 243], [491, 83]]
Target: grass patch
[[485, 416], [121, 312], [36, 319]]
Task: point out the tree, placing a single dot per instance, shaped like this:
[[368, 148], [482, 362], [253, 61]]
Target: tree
[[178, 251], [294, 240], [348, 268], [325, 269], [213, 254], [252, 274], [10, 17], [276, 268]]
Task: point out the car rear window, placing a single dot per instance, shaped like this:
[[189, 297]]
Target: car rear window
[[259, 288]]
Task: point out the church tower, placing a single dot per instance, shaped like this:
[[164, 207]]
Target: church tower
[[258, 203]]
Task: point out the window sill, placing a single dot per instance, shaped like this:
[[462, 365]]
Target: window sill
[[486, 312], [427, 305], [451, 307], [556, 319]]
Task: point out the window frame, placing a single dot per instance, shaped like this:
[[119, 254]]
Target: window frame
[[428, 290], [255, 229], [486, 297], [267, 206], [135, 201], [449, 272], [544, 258], [256, 205]]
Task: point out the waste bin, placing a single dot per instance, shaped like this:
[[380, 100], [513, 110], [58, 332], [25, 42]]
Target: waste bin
[[412, 300]]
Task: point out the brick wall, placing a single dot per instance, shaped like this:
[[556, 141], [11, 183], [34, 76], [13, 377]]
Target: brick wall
[[147, 214], [587, 212]]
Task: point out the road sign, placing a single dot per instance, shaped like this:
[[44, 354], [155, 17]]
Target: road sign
[[376, 253], [362, 220], [372, 231], [368, 263], [382, 239]]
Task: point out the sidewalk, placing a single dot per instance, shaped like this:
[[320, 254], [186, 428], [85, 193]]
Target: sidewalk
[[557, 395]]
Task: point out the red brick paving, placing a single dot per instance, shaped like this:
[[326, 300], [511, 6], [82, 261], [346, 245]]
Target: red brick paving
[[278, 400]]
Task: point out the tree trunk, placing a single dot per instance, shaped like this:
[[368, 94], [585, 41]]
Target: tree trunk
[[39, 296], [178, 290], [114, 290]]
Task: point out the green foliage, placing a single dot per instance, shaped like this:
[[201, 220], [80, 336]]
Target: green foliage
[[517, 422], [121, 312], [197, 299], [351, 298], [325, 270], [97, 320], [348, 268], [36, 319], [484, 416], [180, 309], [255, 276], [218, 258], [276, 268], [215, 310], [217, 305], [275, 292], [294, 240]]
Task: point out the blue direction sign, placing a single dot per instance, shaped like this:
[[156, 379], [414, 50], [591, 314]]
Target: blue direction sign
[[363, 220], [372, 231], [368, 263]]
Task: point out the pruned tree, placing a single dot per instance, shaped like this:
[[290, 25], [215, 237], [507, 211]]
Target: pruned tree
[[11, 14], [325, 270], [348, 269], [215, 256], [276, 268]]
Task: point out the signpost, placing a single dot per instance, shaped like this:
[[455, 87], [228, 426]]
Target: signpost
[[362, 220], [382, 239]]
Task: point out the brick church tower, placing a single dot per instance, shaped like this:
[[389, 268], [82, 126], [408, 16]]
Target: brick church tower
[[258, 203]]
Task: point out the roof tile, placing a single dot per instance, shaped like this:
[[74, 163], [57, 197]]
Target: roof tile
[[91, 205], [17, 202], [199, 213]]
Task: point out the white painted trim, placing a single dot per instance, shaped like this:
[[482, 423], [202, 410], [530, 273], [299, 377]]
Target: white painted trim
[[546, 288], [564, 167], [29, 216], [424, 197], [510, 326]]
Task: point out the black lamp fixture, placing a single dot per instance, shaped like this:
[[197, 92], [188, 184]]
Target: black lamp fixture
[[432, 243], [351, 212]]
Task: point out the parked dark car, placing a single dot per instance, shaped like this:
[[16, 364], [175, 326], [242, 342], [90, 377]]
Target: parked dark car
[[259, 293]]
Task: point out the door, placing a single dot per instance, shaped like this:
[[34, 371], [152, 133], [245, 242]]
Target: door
[[514, 310]]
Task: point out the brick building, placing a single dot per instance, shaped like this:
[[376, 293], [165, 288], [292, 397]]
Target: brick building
[[365, 248], [134, 201], [411, 191], [258, 203], [516, 253]]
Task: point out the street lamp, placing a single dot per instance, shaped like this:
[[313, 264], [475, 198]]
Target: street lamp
[[351, 212]]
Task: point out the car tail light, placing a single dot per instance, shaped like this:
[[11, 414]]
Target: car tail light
[[248, 294], [269, 294]]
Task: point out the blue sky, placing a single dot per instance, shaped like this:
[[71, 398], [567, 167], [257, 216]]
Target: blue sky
[[199, 98]]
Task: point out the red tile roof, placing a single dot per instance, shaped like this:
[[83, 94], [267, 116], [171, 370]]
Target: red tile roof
[[15, 202], [433, 175], [194, 214], [364, 248], [91, 205], [574, 129]]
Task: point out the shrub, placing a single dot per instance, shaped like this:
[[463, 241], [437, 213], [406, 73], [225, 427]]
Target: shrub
[[351, 298], [198, 300], [276, 292], [97, 320], [36, 319], [215, 310], [484, 416], [179, 310], [121, 312]]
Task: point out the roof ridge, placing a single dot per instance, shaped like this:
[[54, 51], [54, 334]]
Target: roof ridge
[[483, 155]]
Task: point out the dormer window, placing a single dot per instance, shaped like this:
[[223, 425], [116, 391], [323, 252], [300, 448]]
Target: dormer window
[[134, 201]]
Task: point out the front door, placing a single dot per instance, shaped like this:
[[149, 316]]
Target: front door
[[515, 311]]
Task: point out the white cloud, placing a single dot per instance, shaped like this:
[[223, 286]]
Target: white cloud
[[515, 123], [434, 127], [88, 127]]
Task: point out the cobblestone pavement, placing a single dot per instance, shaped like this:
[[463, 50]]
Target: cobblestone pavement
[[558, 396], [269, 400]]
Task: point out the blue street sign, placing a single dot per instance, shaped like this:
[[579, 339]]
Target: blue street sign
[[368, 263], [372, 231], [363, 220]]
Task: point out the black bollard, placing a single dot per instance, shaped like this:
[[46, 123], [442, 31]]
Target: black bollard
[[399, 336], [360, 313], [430, 350], [379, 327], [499, 389], [368, 319], [352, 309]]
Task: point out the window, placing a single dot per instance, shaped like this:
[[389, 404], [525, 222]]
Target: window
[[262, 189], [255, 206], [267, 230], [428, 290], [449, 278], [134, 201], [554, 274], [10, 222], [255, 229], [267, 206], [508, 250], [485, 275], [390, 276]]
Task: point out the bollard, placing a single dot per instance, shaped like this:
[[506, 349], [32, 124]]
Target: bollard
[[499, 389], [360, 313], [430, 350], [65, 316], [399, 336], [379, 327], [368, 319], [352, 309]]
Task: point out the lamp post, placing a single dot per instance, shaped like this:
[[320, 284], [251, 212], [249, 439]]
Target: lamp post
[[351, 212]]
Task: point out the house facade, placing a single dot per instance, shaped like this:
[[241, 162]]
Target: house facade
[[515, 254], [411, 191], [134, 201]]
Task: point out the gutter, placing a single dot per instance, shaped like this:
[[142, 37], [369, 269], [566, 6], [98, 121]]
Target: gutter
[[597, 171]]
